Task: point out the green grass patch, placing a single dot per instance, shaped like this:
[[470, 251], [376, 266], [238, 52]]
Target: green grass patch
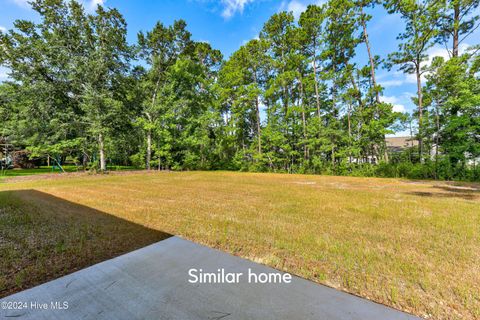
[[413, 245], [53, 170]]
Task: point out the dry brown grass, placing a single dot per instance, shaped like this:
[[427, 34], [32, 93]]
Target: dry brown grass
[[408, 244], [43, 237]]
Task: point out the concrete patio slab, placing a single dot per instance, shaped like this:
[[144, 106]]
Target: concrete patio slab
[[153, 283]]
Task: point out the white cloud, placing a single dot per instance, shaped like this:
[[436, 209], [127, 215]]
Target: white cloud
[[412, 78], [233, 6], [21, 3], [91, 5], [438, 51], [298, 6], [380, 24], [389, 99], [392, 83], [391, 79], [244, 42], [435, 51], [408, 95], [3, 74], [397, 107], [3, 29], [398, 78]]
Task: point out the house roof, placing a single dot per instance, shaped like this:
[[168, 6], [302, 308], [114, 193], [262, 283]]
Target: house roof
[[400, 142]]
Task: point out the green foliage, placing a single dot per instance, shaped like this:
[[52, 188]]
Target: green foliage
[[294, 100]]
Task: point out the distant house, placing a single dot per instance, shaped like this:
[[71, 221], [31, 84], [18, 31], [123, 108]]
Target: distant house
[[398, 144], [393, 144]]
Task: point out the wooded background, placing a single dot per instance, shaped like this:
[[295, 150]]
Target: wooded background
[[292, 100]]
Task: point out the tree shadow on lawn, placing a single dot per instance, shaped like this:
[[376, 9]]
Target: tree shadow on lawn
[[453, 191], [43, 237]]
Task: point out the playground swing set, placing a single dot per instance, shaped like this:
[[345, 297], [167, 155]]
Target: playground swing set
[[7, 159], [57, 165]]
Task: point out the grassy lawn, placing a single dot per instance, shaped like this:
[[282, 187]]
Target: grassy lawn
[[408, 244], [29, 172], [49, 170]]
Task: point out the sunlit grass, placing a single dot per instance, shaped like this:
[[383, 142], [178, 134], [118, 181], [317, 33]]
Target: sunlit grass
[[34, 171], [408, 244], [44, 170]]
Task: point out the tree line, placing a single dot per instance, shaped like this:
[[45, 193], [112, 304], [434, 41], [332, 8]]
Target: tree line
[[295, 99]]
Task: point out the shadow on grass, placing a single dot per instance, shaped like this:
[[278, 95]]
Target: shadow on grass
[[464, 196], [453, 191], [459, 189], [43, 237]]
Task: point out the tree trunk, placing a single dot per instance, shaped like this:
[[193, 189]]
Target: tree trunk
[[370, 57], [333, 156], [101, 150], [334, 109], [358, 95], [411, 138], [420, 111], [456, 24], [349, 133], [259, 129], [437, 133], [304, 122], [149, 148], [150, 119], [372, 74], [316, 83], [84, 160]]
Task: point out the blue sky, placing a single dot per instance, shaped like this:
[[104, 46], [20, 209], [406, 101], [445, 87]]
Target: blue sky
[[227, 24]]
